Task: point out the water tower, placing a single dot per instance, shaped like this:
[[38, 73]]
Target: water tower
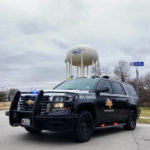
[[81, 56]]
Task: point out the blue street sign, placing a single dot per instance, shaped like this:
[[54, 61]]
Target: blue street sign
[[138, 63]]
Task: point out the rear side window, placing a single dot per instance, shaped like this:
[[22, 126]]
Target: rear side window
[[130, 90], [118, 88]]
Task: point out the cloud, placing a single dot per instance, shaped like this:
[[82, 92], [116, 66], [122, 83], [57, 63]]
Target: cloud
[[35, 36]]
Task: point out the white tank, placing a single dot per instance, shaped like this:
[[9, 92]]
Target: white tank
[[89, 55], [80, 56]]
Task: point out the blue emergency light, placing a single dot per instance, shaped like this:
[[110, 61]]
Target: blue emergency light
[[34, 92]]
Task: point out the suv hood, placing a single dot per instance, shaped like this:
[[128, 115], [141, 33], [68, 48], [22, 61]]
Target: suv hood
[[71, 91]]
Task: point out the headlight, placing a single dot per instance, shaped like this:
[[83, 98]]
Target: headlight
[[62, 102], [62, 98], [58, 105]]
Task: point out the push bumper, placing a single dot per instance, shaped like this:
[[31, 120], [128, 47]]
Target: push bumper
[[51, 121], [57, 123], [61, 123]]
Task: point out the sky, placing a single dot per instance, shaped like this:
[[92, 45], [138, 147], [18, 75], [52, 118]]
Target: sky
[[35, 36]]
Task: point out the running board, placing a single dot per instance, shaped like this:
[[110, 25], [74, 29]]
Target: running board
[[110, 126]]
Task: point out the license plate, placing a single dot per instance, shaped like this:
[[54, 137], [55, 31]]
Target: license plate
[[25, 122]]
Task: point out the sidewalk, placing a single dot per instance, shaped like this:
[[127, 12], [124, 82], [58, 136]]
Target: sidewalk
[[145, 117]]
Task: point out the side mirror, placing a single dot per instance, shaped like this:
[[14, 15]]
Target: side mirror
[[102, 89]]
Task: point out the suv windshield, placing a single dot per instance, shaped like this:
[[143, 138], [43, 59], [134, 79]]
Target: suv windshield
[[77, 84]]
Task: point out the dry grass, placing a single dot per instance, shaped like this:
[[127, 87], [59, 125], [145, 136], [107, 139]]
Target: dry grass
[[145, 112], [4, 105], [143, 121]]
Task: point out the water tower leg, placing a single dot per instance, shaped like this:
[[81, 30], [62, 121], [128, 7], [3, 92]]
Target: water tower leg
[[82, 69], [77, 71], [66, 70], [93, 70], [87, 71], [71, 66], [69, 70]]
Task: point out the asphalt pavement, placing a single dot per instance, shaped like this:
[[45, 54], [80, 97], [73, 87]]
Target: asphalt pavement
[[16, 138]]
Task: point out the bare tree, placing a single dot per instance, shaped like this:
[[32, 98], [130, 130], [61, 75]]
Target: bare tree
[[147, 81], [3, 96], [105, 70], [144, 91], [122, 71], [11, 94]]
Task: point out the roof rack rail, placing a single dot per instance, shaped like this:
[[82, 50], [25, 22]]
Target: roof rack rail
[[96, 76], [80, 77]]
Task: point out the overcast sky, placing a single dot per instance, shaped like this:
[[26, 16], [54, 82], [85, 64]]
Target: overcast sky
[[35, 36]]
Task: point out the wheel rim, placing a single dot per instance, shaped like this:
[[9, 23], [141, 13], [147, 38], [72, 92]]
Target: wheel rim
[[85, 127]]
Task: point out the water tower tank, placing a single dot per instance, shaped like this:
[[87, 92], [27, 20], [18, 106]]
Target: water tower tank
[[88, 53], [81, 56]]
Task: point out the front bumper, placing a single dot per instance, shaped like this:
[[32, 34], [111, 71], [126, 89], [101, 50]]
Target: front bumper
[[58, 123], [52, 121]]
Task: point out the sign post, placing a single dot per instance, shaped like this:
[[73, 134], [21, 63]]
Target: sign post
[[137, 64]]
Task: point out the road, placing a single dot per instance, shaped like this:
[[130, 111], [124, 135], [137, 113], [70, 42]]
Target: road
[[16, 138]]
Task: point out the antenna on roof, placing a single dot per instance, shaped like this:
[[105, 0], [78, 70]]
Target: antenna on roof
[[105, 76]]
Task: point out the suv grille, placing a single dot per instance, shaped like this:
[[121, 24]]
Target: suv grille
[[26, 103], [44, 103]]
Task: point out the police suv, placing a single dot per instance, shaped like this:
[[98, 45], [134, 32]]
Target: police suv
[[78, 106]]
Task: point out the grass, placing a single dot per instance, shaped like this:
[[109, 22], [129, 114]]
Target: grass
[[143, 121], [4, 105], [145, 112]]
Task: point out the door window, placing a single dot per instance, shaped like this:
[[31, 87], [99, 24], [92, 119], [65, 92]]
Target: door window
[[105, 84]]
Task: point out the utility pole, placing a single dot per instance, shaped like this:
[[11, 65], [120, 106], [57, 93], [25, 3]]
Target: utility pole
[[137, 82], [137, 64]]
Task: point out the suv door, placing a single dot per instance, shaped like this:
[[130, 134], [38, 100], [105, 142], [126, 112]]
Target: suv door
[[105, 105], [120, 101]]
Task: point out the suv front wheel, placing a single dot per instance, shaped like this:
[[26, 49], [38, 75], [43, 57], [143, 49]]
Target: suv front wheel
[[84, 127], [131, 121]]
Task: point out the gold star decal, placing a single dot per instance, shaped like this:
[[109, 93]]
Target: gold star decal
[[109, 103]]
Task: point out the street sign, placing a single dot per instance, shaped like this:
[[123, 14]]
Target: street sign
[[137, 63]]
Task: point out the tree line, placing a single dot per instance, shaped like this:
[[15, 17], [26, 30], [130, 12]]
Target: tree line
[[7, 95]]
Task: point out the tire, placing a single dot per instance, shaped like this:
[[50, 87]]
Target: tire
[[131, 121], [32, 131], [84, 127]]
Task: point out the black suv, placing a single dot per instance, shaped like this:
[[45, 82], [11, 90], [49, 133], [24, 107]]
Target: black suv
[[77, 106]]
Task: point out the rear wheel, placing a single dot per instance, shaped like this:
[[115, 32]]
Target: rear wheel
[[131, 121], [33, 131], [84, 127]]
